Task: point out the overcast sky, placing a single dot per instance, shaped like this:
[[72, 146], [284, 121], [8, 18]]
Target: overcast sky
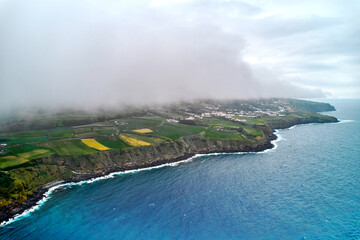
[[111, 52]]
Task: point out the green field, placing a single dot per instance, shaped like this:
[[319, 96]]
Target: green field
[[29, 134], [81, 130], [114, 143], [61, 133], [93, 131], [220, 122], [68, 147], [129, 124], [11, 140], [11, 161], [105, 131], [252, 131], [174, 131], [85, 132], [252, 120], [224, 134], [20, 155], [13, 150]]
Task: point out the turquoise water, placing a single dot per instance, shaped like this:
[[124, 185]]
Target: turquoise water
[[306, 188]]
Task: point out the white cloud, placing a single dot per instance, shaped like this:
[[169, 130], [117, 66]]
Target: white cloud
[[90, 53]]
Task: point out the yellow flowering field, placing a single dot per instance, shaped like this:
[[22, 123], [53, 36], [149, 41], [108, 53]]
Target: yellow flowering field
[[94, 144], [143, 130], [133, 141]]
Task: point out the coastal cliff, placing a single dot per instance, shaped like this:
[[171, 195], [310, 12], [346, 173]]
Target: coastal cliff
[[77, 168], [165, 152], [23, 186]]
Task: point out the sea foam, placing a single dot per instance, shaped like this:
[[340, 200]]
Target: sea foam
[[346, 121]]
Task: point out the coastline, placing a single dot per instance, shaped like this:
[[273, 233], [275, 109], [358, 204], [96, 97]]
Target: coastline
[[43, 194]]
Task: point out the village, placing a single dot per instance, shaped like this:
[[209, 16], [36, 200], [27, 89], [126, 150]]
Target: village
[[276, 108]]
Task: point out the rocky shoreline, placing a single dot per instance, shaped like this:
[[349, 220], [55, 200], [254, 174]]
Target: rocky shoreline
[[138, 158]]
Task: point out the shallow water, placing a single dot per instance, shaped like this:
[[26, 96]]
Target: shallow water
[[306, 188]]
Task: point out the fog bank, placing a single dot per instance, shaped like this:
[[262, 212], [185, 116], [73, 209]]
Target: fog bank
[[90, 54]]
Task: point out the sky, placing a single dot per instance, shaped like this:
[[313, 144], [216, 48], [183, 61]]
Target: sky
[[89, 54]]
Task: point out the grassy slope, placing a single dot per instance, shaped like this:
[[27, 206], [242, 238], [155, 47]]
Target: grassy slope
[[224, 134], [174, 131], [20, 182]]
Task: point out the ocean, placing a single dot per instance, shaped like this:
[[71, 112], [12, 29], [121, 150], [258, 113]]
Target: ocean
[[308, 187]]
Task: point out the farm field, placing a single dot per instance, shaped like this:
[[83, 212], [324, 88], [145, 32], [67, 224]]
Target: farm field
[[133, 141], [112, 142], [68, 147], [143, 130], [174, 131], [14, 140], [22, 157], [94, 144], [129, 124], [222, 123], [61, 133], [224, 134], [251, 120]]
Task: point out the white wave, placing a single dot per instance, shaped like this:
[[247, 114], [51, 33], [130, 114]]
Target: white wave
[[34, 208], [345, 121], [274, 142], [48, 194], [292, 127]]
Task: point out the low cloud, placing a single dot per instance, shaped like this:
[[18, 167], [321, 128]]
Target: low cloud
[[89, 54]]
